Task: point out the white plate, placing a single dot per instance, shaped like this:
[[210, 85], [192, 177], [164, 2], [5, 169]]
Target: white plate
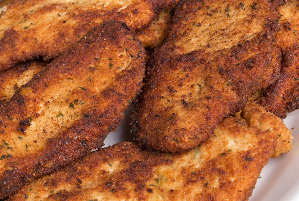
[[280, 177]]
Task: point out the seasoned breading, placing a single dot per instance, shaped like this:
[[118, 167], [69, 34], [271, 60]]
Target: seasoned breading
[[154, 35], [215, 25], [69, 108], [225, 167], [283, 96], [184, 98], [266, 121], [12, 79], [46, 29]]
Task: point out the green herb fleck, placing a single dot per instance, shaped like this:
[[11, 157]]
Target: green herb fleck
[[158, 181], [60, 115], [227, 10], [242, 5], [254, 6], [177, 141], [72, 105]]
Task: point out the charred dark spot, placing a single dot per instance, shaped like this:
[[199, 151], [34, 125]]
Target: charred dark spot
[[184, 102], [149, 190], [249, 63], [79, 181], [20, 100], [135, 11], [24, 124], [286, 25], [171, 89], [248, 159]]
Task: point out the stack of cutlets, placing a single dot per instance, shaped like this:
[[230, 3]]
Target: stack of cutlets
[[210, 82]]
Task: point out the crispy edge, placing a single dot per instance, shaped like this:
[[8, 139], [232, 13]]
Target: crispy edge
[[87, 133], [231, 75], [225, 167]]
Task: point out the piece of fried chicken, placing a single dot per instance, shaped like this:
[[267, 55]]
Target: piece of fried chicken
[[225, 167], [186, 94], [32, 28], [215, 25], [283, 96], [70, 107], [12, 79]]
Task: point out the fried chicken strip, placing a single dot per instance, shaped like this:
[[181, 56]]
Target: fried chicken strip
[[185, 98], [69, 108], [225, 167], [32, 28], [215, 25], [12, 79], [283, 96], [206, 69]]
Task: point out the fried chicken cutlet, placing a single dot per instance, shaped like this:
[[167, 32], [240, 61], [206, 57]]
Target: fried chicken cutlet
[[283, 96], [215, 25], [184, 98], [68, 109], [187, 93], [32, 28], [225, 167], [12, 79]]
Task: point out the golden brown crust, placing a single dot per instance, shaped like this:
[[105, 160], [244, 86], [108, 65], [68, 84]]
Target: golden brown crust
[[214, 25], [184, 98], [266, 121], [283, 96], [69, 108], [46, 29], [156, 32], [225, 167], [12, 79]]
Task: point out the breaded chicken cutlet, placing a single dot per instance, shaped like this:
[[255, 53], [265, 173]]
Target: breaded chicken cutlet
[[184, 98], [215, 25], [12, 79], [225, 167], [283, 96], [31, 28], [186, 94], [68, 109]]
